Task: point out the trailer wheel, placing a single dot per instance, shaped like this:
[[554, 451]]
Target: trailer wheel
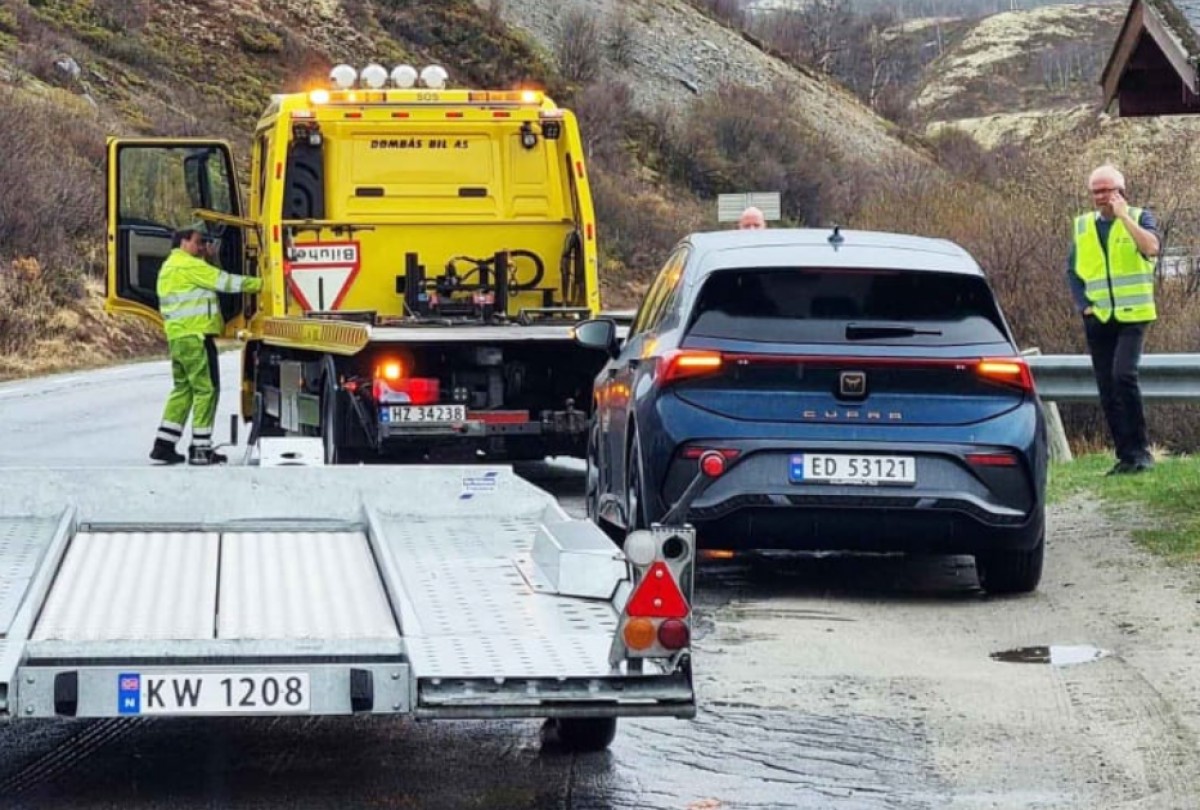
[[586, 734]]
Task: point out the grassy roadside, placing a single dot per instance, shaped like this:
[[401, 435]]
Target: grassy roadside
[[1168, 495]]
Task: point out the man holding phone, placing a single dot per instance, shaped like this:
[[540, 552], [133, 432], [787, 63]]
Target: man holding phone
[[1111, 274]]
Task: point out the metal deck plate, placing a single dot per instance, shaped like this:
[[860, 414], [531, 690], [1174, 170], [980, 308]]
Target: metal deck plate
[[470, 612], [133, 585], [301, 585], [22, 541]]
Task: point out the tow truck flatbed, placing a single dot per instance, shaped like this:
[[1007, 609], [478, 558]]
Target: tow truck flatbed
[[436, 592]]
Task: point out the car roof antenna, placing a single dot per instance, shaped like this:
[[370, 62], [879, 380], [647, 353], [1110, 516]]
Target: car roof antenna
[[836, 237]]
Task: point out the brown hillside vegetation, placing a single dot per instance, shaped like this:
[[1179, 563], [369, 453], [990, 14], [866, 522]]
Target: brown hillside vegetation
[[78, 70]]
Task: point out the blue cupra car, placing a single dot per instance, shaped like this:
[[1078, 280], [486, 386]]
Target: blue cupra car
[[825, 390]]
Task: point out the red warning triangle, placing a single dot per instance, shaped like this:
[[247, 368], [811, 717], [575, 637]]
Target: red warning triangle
[[321, 288], [657, 596]]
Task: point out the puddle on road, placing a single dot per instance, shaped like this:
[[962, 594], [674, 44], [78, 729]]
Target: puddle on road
[[1054, 655]]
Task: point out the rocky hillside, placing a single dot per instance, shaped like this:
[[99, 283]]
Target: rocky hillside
[[1019, 74], [677, 53]]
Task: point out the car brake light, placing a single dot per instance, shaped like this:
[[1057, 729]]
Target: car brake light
[[1010, 371], [682, 364]]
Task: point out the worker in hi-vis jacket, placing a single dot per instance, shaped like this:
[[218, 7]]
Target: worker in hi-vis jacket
[[187, 298]]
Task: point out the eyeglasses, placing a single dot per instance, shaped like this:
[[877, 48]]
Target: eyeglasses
[[1104, 190]]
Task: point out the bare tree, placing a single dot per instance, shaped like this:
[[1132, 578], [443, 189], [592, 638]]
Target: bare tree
[[579, 44]]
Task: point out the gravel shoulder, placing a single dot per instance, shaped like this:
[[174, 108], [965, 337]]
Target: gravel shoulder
[[908, 644]]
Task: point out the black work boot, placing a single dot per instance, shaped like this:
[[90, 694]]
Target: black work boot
[[166, 452], [204, 456]]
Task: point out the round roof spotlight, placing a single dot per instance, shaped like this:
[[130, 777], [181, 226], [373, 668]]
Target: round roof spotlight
[[434, 77], [374, 76], [404, 76], [343, 77]]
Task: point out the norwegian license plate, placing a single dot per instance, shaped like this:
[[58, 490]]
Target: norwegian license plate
[[824, 468], [424, 414], [173, 693]]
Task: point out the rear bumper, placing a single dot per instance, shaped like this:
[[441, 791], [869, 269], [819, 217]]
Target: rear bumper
[[842, 524], [952, 508]]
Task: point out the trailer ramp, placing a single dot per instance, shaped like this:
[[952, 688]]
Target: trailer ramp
[[436, 591]]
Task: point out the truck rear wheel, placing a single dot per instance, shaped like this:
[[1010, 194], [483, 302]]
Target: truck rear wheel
[[586, 734]]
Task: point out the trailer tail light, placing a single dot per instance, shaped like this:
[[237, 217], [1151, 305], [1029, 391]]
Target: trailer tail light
[[407, 391], [655, 621]]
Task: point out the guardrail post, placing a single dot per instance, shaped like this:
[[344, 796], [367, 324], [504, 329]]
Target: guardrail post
[[1056, 434]]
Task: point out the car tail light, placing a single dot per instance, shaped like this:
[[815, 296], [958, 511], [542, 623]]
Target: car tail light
[[992, 459], [684, 364], [1007, 370], [408, 390]]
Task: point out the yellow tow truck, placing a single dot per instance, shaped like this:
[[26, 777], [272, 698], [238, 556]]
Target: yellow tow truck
[[425, 253]]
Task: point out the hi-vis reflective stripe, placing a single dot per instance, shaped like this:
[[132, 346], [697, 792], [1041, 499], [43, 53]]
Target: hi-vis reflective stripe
[[174, 315], [230, 283], [183, 298], [1097, 284], [1132, 300], [1129, 281]]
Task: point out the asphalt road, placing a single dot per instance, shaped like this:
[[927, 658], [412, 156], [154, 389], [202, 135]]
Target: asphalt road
[[824, 683]]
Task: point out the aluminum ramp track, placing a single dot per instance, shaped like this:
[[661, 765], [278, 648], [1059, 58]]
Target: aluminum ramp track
[[472, 614], [24, 544]]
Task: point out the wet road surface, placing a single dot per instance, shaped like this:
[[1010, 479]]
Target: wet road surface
[[825, 682]]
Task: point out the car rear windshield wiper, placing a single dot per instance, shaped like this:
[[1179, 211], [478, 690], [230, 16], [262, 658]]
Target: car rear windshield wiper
[[856, 332]]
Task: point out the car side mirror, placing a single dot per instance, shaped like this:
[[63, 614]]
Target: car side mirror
[[600, 333]]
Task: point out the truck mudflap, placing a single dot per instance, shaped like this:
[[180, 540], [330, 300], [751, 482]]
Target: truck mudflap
[[435, 591]]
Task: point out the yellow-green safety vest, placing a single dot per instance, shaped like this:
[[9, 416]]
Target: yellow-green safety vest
[[187, 294], [1121, 282]]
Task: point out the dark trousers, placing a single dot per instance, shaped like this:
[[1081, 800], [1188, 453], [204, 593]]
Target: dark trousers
[[1116, 349]]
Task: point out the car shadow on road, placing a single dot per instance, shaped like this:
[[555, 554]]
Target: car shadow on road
[[893, 577]]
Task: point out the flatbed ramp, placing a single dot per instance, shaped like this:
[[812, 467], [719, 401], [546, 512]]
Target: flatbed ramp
[[433, 591]]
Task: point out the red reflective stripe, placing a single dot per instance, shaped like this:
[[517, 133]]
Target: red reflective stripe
[[400, 115], [499, 417], [454, 115], [992, 459], [278, 171]]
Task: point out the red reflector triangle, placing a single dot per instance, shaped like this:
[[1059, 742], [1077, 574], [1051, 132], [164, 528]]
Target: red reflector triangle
[[657, 596]]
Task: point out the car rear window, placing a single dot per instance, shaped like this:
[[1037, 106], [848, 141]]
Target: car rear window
[[816, 305]]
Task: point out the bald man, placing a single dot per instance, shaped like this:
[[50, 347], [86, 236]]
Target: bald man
[[1111, 274], [752, 219]]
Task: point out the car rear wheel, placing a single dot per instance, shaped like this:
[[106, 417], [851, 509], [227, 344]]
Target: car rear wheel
[[592, 494], [635, 512], [1002, 572]]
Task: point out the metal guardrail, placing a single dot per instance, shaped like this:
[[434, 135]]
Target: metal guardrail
[[1162, 377]]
